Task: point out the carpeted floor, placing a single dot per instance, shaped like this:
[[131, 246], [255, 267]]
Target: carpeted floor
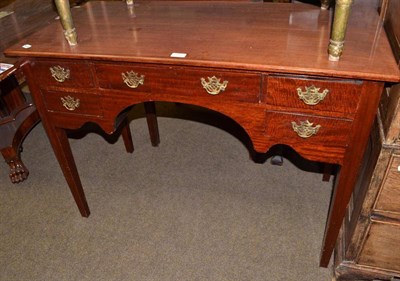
[[194, 208]]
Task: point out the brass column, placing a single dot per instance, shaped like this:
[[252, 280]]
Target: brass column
[[64, 12], [342, 12]]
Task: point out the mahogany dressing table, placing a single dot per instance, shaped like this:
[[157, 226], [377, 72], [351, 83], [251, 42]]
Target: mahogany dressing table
[[263, 65]]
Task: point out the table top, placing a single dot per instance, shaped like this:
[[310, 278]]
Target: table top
[[284, 38]]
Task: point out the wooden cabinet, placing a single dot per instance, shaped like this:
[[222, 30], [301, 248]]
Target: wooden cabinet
[[369, 243], [381, 247]]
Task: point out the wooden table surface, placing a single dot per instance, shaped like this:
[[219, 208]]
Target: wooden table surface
[[288, 38]]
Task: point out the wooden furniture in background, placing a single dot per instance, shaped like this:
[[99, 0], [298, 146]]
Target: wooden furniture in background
[[369, 243], [263, 65], [18, 115]]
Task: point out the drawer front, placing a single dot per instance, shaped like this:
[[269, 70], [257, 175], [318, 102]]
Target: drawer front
[[389, 197], [382, 247], [293, 128], [63, 74], [74, 103], [180, 81], [313, 94]]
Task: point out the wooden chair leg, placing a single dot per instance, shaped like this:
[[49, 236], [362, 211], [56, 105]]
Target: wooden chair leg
[[150, 110]]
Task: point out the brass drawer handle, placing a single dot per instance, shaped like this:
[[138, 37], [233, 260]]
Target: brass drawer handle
[[132, 79], [70, 103], [305, 129], [312, 95], [59, 73], [213, 86]]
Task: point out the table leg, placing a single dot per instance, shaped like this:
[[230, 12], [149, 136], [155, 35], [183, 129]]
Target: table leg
[[127, 136], [348, 174], [151, 117], [61, 147], [342, 12], [327, 172]]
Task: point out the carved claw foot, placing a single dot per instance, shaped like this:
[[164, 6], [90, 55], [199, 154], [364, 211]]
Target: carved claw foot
[[18, 171]]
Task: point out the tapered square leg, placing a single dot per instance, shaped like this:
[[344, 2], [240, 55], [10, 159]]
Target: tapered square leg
[[151, 117]]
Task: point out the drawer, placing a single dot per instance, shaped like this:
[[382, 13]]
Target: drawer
[[293, 128], [389, 196], [339, 96], [74, 103], [184, 82], [382, 247], [63, 74]]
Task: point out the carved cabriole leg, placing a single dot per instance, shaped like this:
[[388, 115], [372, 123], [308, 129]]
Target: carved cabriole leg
[[15, 127], [61, 147], [347, 177], [342, 12], [67, 23], [325, 4]]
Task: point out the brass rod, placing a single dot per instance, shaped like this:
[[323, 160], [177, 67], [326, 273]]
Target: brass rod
[[336, 43], [64, 12]]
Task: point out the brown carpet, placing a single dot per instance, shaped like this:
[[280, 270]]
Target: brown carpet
[[195, 208]]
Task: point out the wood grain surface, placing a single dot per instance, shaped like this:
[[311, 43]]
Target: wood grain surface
[[258, 36]]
